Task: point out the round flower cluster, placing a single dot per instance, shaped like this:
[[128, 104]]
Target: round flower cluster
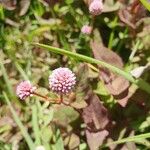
[[86, 29], [25, 89], [62, 80], [96, 7]]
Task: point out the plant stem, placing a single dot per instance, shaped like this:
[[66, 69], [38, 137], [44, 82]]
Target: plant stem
[[44, 97], [61, 98]]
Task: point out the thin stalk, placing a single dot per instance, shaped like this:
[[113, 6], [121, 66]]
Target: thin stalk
[[129, 139], [45, 97], [35, 125], [135, 48], [111, 37], [122, 40], [61, 98], [21, 71]]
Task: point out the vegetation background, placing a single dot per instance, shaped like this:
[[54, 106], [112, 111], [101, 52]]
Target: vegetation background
[[107, 107]]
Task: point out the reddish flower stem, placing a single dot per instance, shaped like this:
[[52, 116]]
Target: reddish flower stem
[[55, 101], [45, 98], [61, 98]]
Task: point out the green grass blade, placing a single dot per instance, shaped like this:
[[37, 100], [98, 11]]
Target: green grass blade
[[6, 78], [129, 139], [126, 75], [58, 141], [146, 4], [35, 125], [20, 124], [21, 71]]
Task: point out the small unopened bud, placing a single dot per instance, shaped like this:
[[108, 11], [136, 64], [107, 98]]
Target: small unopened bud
[[86, 29], [137, 72]]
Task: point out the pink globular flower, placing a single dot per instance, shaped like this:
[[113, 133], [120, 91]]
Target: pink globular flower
[[25, 89], [86, 29], [96, 7], [62, 80]]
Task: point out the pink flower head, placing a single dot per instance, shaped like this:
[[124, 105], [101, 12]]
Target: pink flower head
[[62, 80], [25, 89], [86, 29], [96, 7]]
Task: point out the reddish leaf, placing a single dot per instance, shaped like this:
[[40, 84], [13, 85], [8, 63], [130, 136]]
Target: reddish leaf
[[123, 97], [9, 4], [115, 84], [95, 140], [95, 115], [132, 13], [104, 54]]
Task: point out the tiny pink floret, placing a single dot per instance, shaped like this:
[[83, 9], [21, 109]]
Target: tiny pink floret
[[25, 89], [96, 7], [62, 80], [86, 29]]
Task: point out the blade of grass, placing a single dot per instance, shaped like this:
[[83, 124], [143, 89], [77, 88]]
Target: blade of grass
[[146, 4], [21, 71], [5, 128], [111, 37], [6, 78], [35, 125], [122, 40], [20, 124], [58, 141], [139, 82], [129, 139], [2, 14]]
